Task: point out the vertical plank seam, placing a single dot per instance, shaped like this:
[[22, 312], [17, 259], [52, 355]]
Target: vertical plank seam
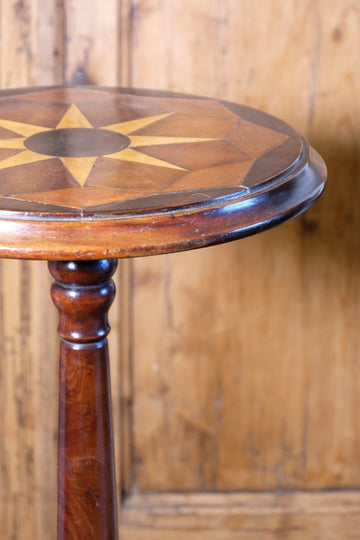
[[126, 481], [61, 41]]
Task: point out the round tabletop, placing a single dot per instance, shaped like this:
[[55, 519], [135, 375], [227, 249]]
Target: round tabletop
[[91, 172]]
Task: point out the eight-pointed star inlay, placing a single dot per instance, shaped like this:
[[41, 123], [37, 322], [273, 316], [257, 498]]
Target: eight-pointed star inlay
[[88, 148], [76, 156]]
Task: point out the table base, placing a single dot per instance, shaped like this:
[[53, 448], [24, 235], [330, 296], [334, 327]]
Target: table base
[[83, 292]]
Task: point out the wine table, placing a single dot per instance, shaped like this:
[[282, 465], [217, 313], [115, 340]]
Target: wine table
[[89, 175]]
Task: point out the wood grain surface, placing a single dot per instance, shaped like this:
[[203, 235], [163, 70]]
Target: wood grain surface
[[276, 366], [92, 172], [31, 53], [83, 292], [265, 394], [294, 516]]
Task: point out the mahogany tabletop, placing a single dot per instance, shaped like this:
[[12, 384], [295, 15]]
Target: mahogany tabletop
[[92, 172]]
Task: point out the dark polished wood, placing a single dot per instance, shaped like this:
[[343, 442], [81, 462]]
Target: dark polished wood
[[92, 173], [83, 292]]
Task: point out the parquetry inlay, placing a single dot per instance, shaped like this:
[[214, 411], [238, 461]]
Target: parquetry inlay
[[171, 145]]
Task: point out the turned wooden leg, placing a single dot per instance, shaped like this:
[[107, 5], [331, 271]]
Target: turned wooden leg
[[83, 292]]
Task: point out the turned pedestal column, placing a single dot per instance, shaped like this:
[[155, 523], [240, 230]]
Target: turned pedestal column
[[90, 175], [83, 292]]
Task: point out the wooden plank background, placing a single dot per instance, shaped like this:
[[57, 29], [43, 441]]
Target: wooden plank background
[[233, 368]]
